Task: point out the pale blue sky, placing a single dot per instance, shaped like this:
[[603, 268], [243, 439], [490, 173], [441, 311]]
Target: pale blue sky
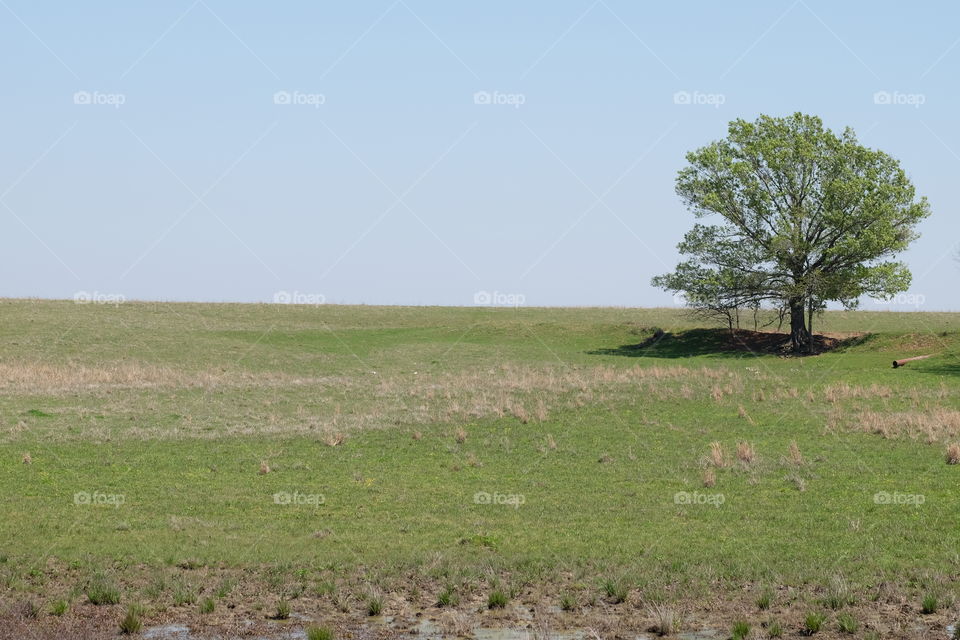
[[378, 176]]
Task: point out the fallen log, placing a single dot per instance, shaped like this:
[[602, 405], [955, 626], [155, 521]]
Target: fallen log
[[900, 363]]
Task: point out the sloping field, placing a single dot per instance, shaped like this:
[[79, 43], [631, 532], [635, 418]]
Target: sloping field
[[388, 470]]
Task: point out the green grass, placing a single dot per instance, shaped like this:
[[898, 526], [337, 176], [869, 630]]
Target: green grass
[[102, 591], [146, 425], [207, 605], [59, 607], [740, 630], [319, 633], [448, 598], [775, 630], [847, 623], [132, 622], [813, 623], [283, 610], [497, 599]]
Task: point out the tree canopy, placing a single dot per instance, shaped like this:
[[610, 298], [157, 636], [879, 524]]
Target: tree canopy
[[806, 216]]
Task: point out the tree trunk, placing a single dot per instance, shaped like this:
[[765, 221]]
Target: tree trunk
[[799, 335]]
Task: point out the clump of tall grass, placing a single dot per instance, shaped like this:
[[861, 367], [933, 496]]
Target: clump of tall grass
[[101, 591], [132, 622]]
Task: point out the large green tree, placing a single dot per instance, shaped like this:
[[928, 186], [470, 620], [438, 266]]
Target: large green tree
[[803, 217]]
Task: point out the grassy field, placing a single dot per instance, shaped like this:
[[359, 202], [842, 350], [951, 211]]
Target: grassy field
[[335, 457]]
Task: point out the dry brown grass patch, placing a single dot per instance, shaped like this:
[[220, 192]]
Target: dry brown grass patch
[[745, 452], [460, 435], [936, 425], [795, 457], [953, 453], [333, 438], [709, 478], [264, 468], [716, 455]]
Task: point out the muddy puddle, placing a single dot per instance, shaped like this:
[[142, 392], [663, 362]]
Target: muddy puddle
[[428, 630]]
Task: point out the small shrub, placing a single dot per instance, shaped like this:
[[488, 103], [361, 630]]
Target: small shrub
[[615, 590], [319, 633], [448, 598], [813, 623], [102, 591], [775, 629], [374, 604], [497, 599], [59, 607], [131, 622], [568, 602], [929, 604], [764, 600], [207, 605], [740, 630], [847, 623]]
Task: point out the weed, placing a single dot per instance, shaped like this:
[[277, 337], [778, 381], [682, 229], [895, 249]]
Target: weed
[[283, 610], [448, 598], [59, 607], [847, 623], [319, 633], [740, 630], [615, 590], [132, 622], [207, 605], [101, 591], [374, 604], [813, 623], [497, 599]]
